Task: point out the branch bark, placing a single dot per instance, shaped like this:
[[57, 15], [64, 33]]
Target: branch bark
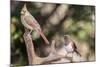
[[33, 58]]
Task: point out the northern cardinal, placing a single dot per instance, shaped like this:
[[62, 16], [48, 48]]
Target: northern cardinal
[[70, 45], [30, 23]]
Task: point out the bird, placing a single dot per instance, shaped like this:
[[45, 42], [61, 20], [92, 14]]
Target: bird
[[31, 23], [70, 45]]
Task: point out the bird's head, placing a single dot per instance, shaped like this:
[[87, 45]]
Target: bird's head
[[24, 10], [67, 39]]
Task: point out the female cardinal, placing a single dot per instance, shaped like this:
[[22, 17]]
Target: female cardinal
[[30, 23]]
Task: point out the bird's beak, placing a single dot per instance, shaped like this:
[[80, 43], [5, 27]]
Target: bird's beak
[[22, 13]]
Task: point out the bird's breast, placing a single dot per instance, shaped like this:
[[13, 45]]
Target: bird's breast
[[24, 22], [68, 47]]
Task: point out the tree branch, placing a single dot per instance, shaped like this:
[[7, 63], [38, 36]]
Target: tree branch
[[33, 58]]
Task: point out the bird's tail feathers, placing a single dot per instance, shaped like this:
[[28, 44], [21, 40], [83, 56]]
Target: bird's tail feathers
[[43, 36], [45, 39], [77, 52]]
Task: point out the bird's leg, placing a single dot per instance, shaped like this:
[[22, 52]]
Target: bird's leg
[[30, 31], [26, 31]]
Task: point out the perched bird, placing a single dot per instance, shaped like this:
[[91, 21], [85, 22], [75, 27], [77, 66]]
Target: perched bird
[[70, 45], [30, 23]]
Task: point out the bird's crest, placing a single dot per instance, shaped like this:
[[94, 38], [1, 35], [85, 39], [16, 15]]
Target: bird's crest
[[24, 10], [24, 7]]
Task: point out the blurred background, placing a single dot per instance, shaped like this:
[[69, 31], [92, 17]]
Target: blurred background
[[56, 20]]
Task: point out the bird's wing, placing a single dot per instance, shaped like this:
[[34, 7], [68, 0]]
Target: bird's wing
[[31, 21], [74, 45]]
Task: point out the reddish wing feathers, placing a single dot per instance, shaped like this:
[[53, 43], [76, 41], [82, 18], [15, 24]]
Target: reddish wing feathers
[[33, 23], [29, 22], [74, 46]]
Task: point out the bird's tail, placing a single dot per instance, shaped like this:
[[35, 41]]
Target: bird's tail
[[77, 52], [43, 36]]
